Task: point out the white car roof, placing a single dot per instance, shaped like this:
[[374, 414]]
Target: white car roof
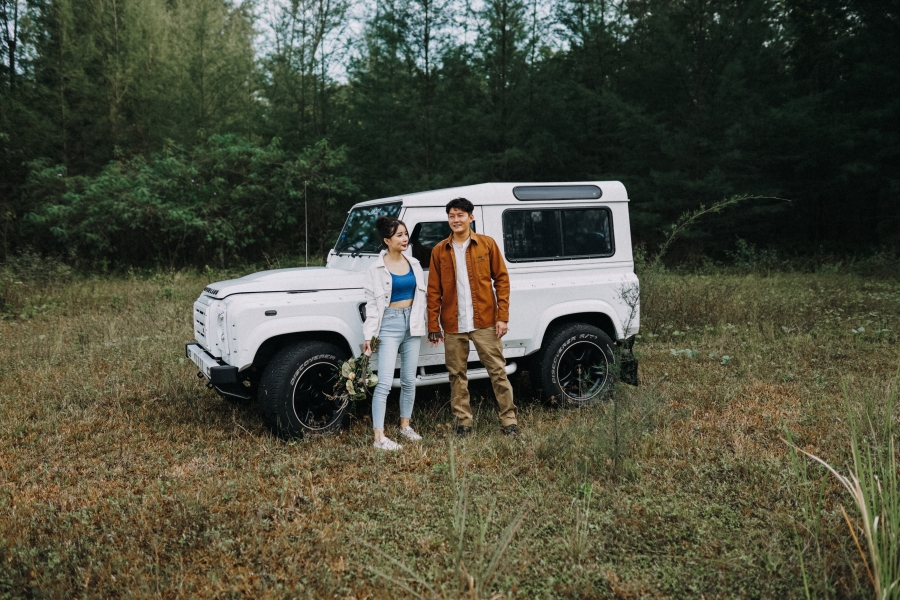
[[499, 193]]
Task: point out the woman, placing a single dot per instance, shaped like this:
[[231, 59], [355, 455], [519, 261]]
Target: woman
[[395, 313]]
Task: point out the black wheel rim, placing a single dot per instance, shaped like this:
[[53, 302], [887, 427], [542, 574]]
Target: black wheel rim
[[582, 371], [314, 401]]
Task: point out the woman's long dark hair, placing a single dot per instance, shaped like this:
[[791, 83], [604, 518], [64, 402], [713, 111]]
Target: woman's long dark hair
[[387, 227]]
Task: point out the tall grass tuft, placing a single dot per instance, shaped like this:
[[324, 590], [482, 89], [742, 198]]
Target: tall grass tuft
[[476, 561], [579, 537], [812, 501], [873, 484]]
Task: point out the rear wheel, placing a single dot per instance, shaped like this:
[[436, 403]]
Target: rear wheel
[[296, 392], [577, 366]]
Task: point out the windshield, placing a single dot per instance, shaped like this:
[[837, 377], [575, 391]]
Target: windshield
[[359, 235]]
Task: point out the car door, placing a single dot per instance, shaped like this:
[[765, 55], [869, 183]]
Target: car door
[[427, 226]]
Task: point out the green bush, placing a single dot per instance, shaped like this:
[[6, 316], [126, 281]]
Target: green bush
[[226, 200]]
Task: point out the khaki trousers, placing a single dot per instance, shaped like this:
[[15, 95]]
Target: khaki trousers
[[490, 353]]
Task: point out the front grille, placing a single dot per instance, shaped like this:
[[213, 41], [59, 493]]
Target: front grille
[[211, 291], [200, 325]]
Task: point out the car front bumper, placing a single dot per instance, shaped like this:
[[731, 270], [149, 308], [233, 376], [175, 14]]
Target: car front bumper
[[216, 372]]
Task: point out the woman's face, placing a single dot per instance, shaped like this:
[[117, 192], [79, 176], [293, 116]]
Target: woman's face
[[399, 241]]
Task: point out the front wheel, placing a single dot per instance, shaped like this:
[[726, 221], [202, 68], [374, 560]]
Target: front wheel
[[297, 390], [577, 366]]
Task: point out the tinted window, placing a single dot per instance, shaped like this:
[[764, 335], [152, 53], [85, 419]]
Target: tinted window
[[532, 234], [586, 233], [359, 234], [425, 236], [557, 234], [557, 192]]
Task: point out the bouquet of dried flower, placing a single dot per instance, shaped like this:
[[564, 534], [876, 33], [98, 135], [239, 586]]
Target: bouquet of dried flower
[[356, 376]]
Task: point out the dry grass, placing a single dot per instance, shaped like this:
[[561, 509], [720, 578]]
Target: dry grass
[[121, 475]]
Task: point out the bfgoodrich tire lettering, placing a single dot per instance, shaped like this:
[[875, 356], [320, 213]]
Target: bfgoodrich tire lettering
[[578, 365], [294, 390]]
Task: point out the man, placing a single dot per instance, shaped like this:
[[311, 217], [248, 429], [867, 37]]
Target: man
[[468, 298]]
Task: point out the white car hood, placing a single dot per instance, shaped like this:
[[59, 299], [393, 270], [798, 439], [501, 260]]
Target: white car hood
[[288, 280]]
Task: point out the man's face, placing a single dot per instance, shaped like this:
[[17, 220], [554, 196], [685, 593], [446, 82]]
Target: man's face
[[459, 220]]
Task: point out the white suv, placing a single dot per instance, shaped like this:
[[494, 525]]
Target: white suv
[[278, 335]]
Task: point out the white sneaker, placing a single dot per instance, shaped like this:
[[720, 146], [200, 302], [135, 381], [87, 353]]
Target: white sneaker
[[387, 444], [411, 435]]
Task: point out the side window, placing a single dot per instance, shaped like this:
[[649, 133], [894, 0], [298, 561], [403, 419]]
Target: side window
[[425, 236], [529, 234], [557, 234], [587, 232]]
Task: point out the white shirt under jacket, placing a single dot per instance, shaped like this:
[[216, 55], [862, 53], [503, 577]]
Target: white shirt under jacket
[[378, 285], [466, 319]]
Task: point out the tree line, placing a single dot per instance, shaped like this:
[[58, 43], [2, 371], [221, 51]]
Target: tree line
[[172, 132]]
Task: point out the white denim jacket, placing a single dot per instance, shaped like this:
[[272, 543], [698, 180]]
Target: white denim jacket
[[378, 286]]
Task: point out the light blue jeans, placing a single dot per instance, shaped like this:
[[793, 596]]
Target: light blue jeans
[[395, 339]]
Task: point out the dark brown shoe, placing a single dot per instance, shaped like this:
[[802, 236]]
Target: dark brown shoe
[[510, 430], [463, 430]]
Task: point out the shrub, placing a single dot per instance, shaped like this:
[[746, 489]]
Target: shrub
[[227, 199]]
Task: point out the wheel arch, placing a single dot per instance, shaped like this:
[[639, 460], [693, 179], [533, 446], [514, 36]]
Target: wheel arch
[[269, 348], [597, 317]]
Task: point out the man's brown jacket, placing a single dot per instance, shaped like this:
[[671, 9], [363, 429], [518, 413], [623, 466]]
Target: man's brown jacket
[[485, 264]]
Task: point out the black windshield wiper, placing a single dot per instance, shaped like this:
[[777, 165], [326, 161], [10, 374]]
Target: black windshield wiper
[[356, 252], [342, 248], [366, 248]]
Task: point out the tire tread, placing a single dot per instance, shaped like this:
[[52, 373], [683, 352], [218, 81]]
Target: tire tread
[[541, 374], [277, 376]]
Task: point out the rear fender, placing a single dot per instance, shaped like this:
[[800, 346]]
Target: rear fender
[[577, 306]]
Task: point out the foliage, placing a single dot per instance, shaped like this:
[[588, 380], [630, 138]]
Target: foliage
[[226, 200], [685, 102]]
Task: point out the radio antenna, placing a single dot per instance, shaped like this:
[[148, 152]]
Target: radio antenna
[[306, 220]]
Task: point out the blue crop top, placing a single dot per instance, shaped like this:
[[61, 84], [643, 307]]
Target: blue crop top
[[403, 287]]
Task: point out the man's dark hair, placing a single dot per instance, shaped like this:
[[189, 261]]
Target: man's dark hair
[[461, 204]]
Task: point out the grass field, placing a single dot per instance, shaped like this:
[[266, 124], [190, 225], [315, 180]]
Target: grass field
[[121, 475]]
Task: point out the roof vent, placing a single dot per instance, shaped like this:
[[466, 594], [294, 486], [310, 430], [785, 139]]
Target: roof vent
[[557, 192]]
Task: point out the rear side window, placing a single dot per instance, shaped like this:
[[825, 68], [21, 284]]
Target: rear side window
[[532, 234], [587, 232], [556, 234]]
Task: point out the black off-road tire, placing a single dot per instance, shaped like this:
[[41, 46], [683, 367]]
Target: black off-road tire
[[577, 366], [294, 387]]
